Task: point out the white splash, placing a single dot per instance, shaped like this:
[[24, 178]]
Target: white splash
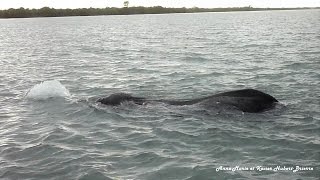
[[48, 89]]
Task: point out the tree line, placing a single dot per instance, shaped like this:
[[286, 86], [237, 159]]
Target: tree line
[[51, 12]]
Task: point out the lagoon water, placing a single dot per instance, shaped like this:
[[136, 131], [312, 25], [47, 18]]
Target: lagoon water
[[52, 70]]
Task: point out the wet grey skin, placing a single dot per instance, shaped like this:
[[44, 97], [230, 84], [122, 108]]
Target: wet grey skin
[[246, 100]]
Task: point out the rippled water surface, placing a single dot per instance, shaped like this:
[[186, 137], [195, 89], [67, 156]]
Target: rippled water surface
[[57, 131]]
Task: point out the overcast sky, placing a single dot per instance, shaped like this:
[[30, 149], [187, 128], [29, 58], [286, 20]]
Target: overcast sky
[[5, 4]]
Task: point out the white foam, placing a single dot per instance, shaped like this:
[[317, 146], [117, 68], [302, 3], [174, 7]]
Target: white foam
[[48, 89]]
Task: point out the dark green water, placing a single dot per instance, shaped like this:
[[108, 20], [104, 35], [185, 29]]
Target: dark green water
[[159, 56]]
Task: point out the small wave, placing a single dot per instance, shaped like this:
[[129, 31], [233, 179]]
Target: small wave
[[48, 89], [94, 174]]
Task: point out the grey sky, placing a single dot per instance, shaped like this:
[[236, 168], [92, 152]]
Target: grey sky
[[5, 4]]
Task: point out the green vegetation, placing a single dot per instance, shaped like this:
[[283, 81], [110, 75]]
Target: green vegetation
[[51, 12], [126, 4]]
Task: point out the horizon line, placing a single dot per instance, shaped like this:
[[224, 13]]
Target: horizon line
[[297, 7]]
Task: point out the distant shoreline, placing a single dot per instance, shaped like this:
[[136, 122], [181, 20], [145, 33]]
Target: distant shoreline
[[51, 12]]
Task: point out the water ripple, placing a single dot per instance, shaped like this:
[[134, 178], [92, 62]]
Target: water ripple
[[156, 56]]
